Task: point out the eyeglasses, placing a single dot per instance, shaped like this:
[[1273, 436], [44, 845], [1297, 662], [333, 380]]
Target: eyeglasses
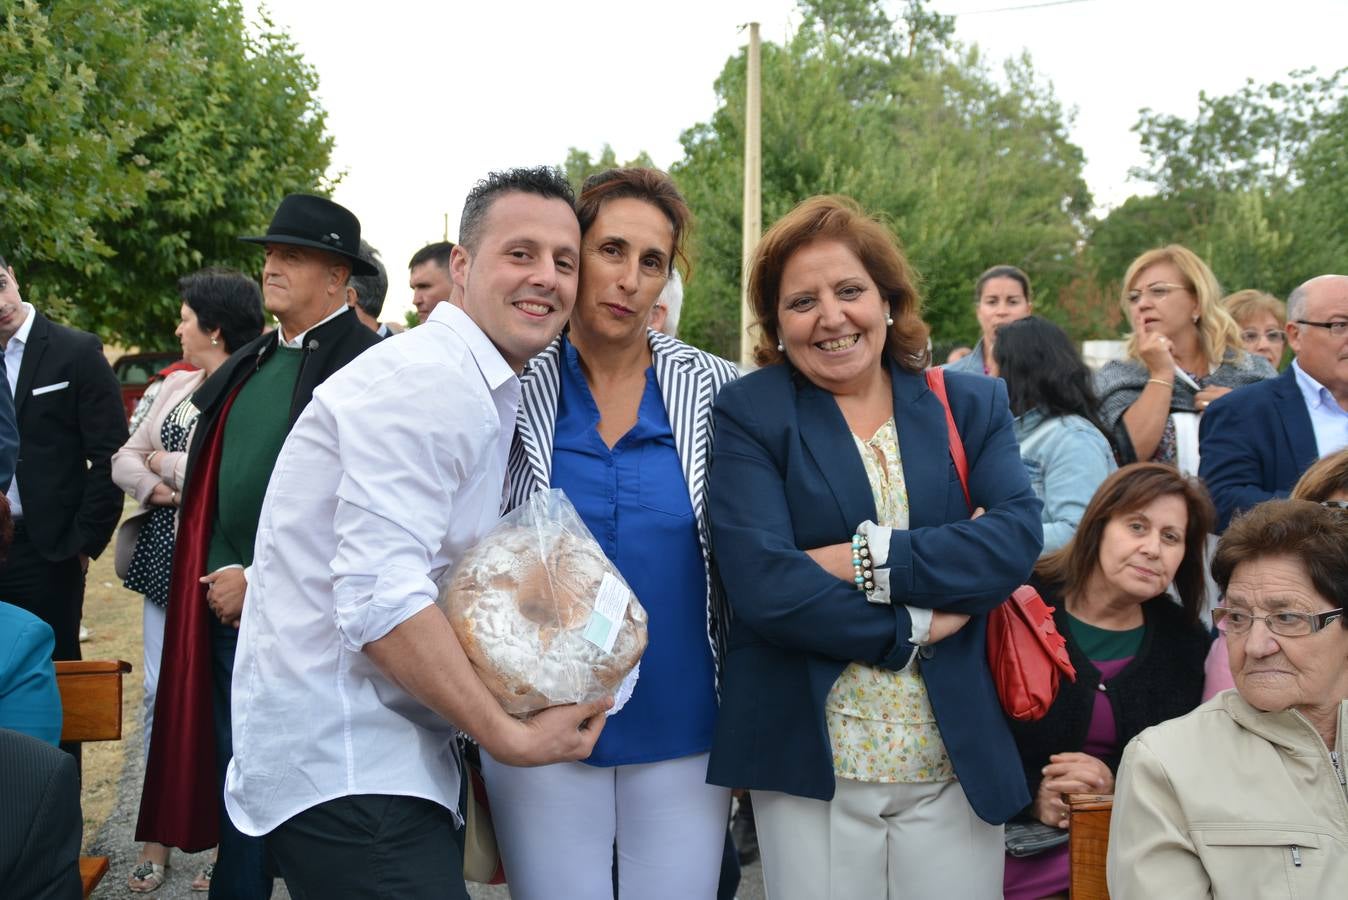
[[1252, 337], [1337, 328], [1286, 624], [1157, 292]]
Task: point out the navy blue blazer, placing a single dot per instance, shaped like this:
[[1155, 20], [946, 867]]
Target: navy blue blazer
[[786, 477], [1254, 444]]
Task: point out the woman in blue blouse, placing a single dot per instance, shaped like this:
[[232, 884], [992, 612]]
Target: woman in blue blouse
[[858, 706], [1061, 440], [619, 417]]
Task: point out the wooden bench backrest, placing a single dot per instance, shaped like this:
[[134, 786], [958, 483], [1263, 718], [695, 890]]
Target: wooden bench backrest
[[1088, 842], [91, 699], [91, 709]]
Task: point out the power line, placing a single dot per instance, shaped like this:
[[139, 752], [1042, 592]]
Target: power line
[[1002, 9]]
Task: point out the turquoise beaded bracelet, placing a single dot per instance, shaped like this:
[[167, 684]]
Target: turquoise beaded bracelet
[[862, 574]]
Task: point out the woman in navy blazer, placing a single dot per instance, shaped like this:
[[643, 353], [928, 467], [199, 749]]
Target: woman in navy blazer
[[855, 795]]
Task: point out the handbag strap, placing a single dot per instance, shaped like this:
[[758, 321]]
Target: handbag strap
[[936, 381]]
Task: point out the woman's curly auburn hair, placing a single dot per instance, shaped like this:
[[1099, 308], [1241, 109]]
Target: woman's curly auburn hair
[[837, 218]]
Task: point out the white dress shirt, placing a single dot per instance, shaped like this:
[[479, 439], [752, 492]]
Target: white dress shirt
[[1329, 421], [297, 342], [14, 359], [392, 472]]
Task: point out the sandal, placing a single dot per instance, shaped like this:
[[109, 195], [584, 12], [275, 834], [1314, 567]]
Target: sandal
[[202, 883], [146, 877]]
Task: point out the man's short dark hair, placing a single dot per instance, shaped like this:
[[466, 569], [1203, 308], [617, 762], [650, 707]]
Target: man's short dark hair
[[544, 181], [370, 289], [437, 253]]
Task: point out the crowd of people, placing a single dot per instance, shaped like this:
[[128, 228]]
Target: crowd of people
[[817, 568]]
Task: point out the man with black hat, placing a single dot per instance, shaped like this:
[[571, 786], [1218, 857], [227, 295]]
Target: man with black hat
[[247, 408]]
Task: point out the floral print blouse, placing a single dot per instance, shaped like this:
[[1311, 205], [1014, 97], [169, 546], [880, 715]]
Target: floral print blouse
[[880, 722]]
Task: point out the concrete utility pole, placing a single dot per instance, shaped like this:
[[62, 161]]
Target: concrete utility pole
[[753, 191]]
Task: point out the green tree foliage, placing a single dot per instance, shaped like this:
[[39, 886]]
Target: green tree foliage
[[138, 140], [579, 165], [969, 170], [1255, 184]]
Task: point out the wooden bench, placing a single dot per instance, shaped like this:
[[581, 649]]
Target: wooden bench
[[1088, 842], [91, 707]]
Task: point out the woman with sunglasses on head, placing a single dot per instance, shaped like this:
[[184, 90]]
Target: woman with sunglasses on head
[[1185, 351]]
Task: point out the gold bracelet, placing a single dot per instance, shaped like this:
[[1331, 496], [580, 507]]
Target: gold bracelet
[[1168, 384]]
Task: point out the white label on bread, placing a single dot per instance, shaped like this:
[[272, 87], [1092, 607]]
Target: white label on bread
[[610, 607]]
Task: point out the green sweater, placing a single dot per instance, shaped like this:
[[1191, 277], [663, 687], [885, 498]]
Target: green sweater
[[256, 428]]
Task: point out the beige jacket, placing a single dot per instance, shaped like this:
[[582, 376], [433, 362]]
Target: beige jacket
[[1230, 802], [129, 469]]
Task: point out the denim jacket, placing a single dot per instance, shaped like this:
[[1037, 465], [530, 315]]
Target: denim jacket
[[1067, 458]]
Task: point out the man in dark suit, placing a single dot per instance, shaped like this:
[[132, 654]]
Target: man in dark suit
[[40, 821], [1257, 441], [248, 406], [70, 421], [365, 294]]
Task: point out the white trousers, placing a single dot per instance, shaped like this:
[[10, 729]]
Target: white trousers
[[878, 841], [556, 827], [154, 618]]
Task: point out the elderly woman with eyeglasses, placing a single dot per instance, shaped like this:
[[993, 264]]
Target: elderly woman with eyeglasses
[[1262, 319], [1246, 796], [1185, 351]]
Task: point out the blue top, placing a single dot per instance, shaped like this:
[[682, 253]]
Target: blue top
[[29, 699], [639, 485], [1067, 459], [785, 477]]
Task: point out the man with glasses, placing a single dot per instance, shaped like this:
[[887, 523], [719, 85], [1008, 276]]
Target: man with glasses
[[1257, 441]]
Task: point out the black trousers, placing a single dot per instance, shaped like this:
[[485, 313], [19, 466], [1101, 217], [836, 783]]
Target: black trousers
[[52, 591], [242, 870], [370, 846]]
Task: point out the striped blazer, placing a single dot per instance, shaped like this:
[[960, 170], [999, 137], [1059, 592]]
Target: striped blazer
[[689, 381]]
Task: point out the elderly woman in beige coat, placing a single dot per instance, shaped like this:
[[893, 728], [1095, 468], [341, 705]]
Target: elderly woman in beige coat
[[221, 311], [1246, 796]]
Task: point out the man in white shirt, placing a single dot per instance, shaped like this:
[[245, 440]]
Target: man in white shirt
[[1256, 441], [349, 682]]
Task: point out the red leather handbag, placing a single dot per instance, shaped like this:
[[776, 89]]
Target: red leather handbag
[[1026, 653]]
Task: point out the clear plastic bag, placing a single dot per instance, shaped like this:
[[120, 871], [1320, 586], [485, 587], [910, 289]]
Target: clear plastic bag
[[542, 613]]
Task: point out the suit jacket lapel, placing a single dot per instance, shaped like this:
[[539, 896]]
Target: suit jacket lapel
[[825, 434], [1296, 420], [924, 447], [38, 338], [687, 392], [535, 425]]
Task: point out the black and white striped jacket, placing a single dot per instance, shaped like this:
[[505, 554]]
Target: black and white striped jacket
[[689, 380]]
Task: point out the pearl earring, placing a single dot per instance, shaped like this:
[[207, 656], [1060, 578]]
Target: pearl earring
[[889, 320], [1195, 320], [215, 342], [780, 348]]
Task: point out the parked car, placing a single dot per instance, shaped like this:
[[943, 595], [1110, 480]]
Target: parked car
[[135, 371]]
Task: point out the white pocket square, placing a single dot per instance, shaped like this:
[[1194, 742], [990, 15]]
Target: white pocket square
[[59, 386]]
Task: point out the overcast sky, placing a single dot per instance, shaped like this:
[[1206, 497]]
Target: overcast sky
[[424, 98]]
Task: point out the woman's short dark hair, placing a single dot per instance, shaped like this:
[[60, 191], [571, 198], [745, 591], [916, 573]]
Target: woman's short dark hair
[[650, 185], [1002, 272], [225, 299], [837, 218], [1043, 370], [1315, 535], [1126, 491]]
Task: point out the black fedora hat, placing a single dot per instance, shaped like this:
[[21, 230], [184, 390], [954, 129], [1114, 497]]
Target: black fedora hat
[[309, 221]]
